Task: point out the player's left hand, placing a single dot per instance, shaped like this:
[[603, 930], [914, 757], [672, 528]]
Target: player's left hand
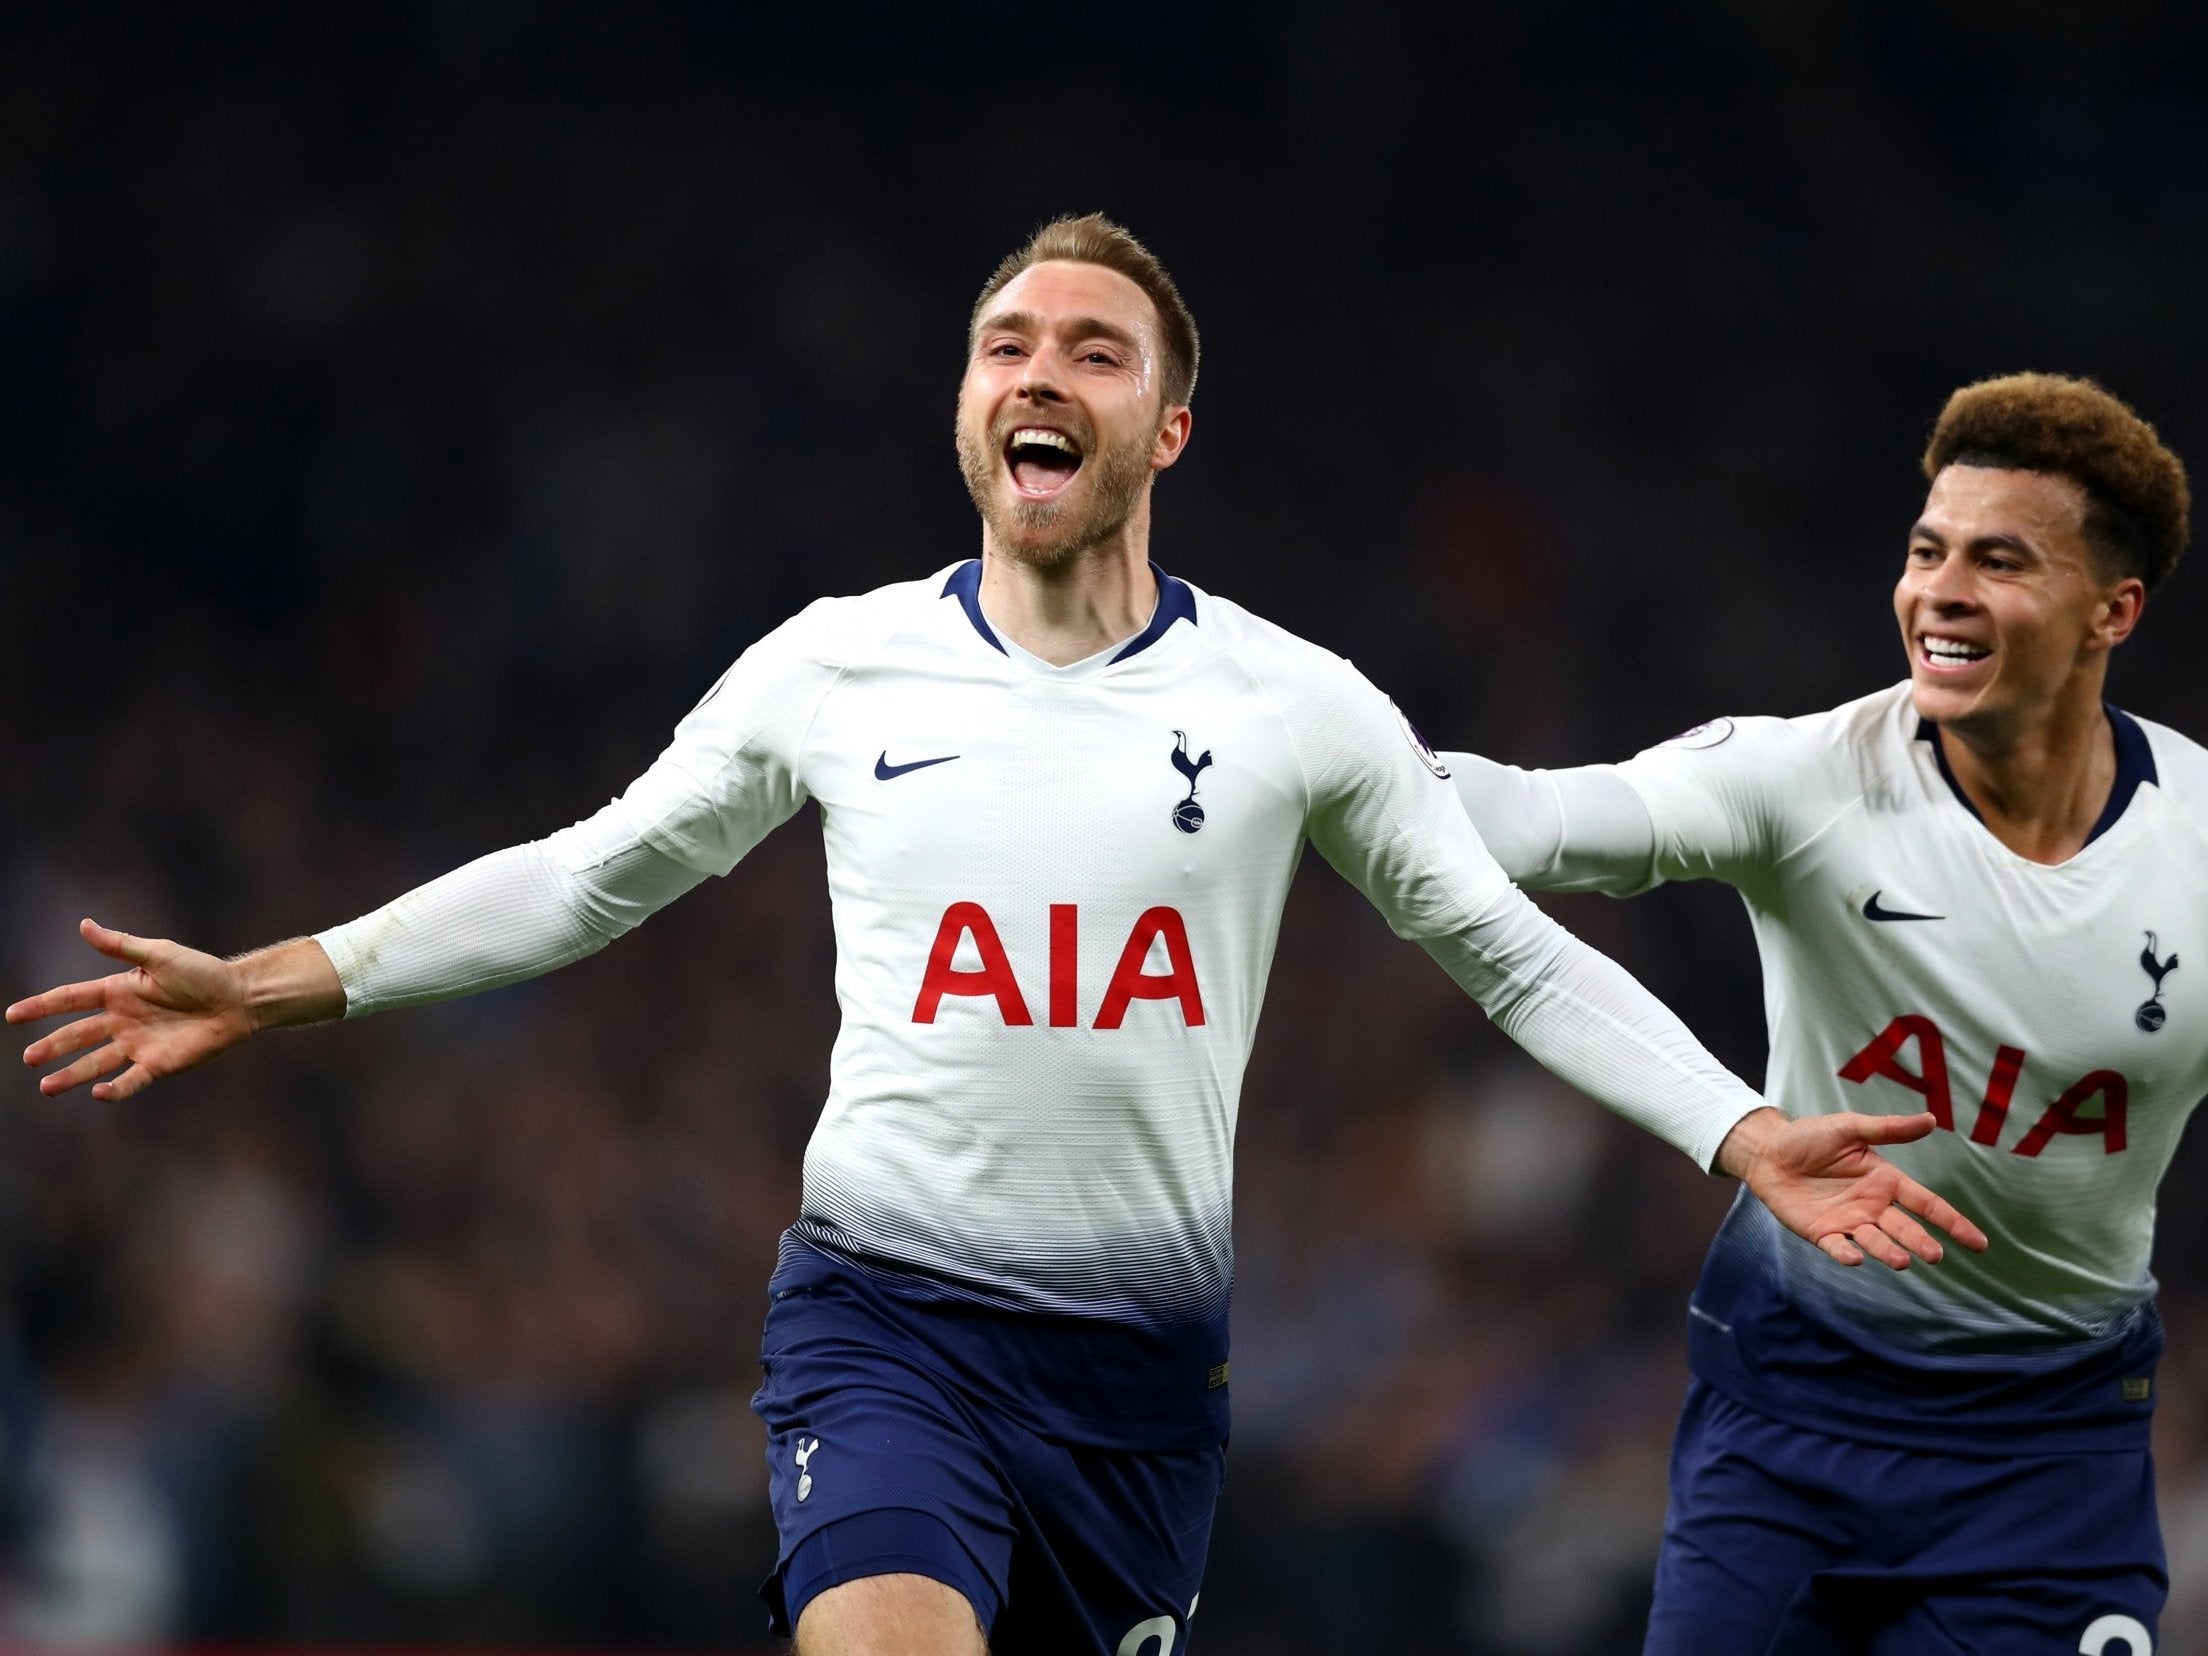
[[1823, 1179]]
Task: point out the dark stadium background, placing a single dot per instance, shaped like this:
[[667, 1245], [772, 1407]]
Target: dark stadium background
[[405, 412]]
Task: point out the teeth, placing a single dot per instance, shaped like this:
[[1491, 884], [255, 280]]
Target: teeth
[[1037, 437], [1954, 649]]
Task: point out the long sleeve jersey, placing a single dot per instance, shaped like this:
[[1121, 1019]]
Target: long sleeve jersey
[[1056, 893], [2054, 1020]]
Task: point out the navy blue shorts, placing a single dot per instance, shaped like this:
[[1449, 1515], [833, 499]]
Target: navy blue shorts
[[1785, 1542], [878, 1463]]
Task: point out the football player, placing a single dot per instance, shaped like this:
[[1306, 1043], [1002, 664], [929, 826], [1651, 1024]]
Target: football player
[[1981, 892]]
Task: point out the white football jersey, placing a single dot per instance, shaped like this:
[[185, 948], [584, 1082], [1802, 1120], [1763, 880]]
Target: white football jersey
[[2054, 1019], [1056, 894]]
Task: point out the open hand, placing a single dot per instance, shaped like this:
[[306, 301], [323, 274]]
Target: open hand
[[174, 1008], [1823, 1179]]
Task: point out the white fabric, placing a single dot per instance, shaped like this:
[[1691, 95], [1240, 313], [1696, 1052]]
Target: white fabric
[[502, 918], [1824, 821], [1568, 830], [1020, 1132]]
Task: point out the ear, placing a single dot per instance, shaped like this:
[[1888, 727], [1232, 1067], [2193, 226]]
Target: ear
[[2121, 606], [1172, 438]]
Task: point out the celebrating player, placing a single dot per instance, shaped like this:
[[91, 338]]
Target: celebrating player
[[1972, 893], [1063, 795]]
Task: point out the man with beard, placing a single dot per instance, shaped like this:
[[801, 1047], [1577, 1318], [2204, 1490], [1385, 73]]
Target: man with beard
[[1972, 891], [1063, 795]]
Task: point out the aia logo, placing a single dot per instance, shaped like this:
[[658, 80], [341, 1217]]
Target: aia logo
[[994, 978], [1929, 1081]]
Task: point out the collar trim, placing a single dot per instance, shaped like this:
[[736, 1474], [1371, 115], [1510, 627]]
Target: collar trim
[[2134, 765], [1176, 602], [965, 586]]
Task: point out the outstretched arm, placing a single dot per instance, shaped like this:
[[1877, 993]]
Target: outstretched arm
[[1388, 819], [1583, 829], [727, 778], [1589, 829], [1585, 1017], [511, 915], [173, 1009]]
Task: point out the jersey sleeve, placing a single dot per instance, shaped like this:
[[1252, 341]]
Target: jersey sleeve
[[1720, 798], [515, 914], [730, 775], [1383, 813], [733, 771], [1583, 829]]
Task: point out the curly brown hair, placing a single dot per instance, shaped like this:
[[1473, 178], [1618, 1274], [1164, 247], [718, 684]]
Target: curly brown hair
[[2137, 502], [1094, 239]]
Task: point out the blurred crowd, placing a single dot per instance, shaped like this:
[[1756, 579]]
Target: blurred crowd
[[409, 410]]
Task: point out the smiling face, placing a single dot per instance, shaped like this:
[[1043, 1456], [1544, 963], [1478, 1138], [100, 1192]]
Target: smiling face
[[2007, 618], [1061, 420]]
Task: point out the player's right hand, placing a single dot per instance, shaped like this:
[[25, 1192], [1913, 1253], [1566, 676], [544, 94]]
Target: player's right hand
[[174, 1008]]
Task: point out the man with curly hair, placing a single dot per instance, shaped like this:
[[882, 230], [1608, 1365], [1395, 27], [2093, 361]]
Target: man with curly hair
[[1980, 892]]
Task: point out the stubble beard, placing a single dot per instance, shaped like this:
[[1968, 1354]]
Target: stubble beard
[[1048, 534]]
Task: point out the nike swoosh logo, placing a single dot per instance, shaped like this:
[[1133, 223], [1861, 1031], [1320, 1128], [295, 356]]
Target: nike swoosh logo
[[884, 770], [1871, 910]]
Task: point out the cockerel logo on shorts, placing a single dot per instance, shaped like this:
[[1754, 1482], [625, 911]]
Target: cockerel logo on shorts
[[805, 1448]]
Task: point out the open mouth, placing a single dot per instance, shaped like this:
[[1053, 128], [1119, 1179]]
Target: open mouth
[[1042, 461], [1950, 655]]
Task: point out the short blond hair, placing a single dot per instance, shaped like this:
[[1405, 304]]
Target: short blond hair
[[1094, 239]]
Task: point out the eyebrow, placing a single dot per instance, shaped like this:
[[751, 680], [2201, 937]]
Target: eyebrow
[[1983, 543], [1079, 327]]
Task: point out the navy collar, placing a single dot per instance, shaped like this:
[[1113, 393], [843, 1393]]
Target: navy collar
[[965, 586], [2134, 765], [1176, 602]]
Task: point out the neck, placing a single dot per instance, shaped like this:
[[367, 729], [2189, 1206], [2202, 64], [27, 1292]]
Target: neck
[[2039, 789], [1068, 611]]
